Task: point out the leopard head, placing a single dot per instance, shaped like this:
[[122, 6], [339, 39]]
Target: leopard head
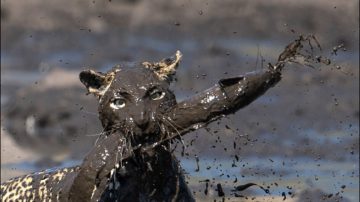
[[133, 98]]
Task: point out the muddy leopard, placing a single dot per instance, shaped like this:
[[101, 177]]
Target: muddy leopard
[[131, 160]]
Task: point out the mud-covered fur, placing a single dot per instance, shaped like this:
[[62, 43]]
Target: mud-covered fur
[[135, 104], [132, 160], [132, 102]]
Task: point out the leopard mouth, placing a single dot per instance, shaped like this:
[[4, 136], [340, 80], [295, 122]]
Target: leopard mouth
[[140, 136]]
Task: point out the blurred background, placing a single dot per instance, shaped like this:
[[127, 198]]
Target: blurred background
[[300, 140]]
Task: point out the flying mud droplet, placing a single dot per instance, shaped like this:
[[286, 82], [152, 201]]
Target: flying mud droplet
[[246, 186], [243, 187], [220, 190], [206, 191], [336, 48], [324, 60], [197, 164], [301, 51]]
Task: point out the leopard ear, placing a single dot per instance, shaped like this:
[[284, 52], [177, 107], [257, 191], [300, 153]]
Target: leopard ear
[[96, 82], [166, 68]]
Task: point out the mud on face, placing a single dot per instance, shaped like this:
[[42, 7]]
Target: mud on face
[[133, 98], [135, 103]]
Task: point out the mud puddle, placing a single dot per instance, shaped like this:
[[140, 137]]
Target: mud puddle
[[277, 174]]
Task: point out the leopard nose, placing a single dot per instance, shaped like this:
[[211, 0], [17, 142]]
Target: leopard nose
[[142, 120]]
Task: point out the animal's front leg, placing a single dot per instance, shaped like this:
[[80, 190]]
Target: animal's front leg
[[97, 167], [226, 97]]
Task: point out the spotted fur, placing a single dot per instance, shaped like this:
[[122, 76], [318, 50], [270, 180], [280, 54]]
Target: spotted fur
[[39, 186]]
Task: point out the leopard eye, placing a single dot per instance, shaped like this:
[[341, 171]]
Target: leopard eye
[[157, 95], [118, 103]]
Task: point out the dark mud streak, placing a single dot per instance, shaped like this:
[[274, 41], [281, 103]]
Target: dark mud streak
[[220, 190], [197, 164]]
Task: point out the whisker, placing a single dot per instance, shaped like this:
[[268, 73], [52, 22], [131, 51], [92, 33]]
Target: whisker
[[89, 112], [173, 122], [102, 133], [131, 149], [179, 135], [166, 134], [170, 124], [162, 130], [96, 134]]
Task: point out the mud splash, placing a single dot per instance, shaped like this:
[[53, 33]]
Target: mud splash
[[300, 51], [293, 53], [234, 93]]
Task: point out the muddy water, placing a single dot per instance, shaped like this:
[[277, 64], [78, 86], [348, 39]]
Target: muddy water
[[292, 177], [301, 134]]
